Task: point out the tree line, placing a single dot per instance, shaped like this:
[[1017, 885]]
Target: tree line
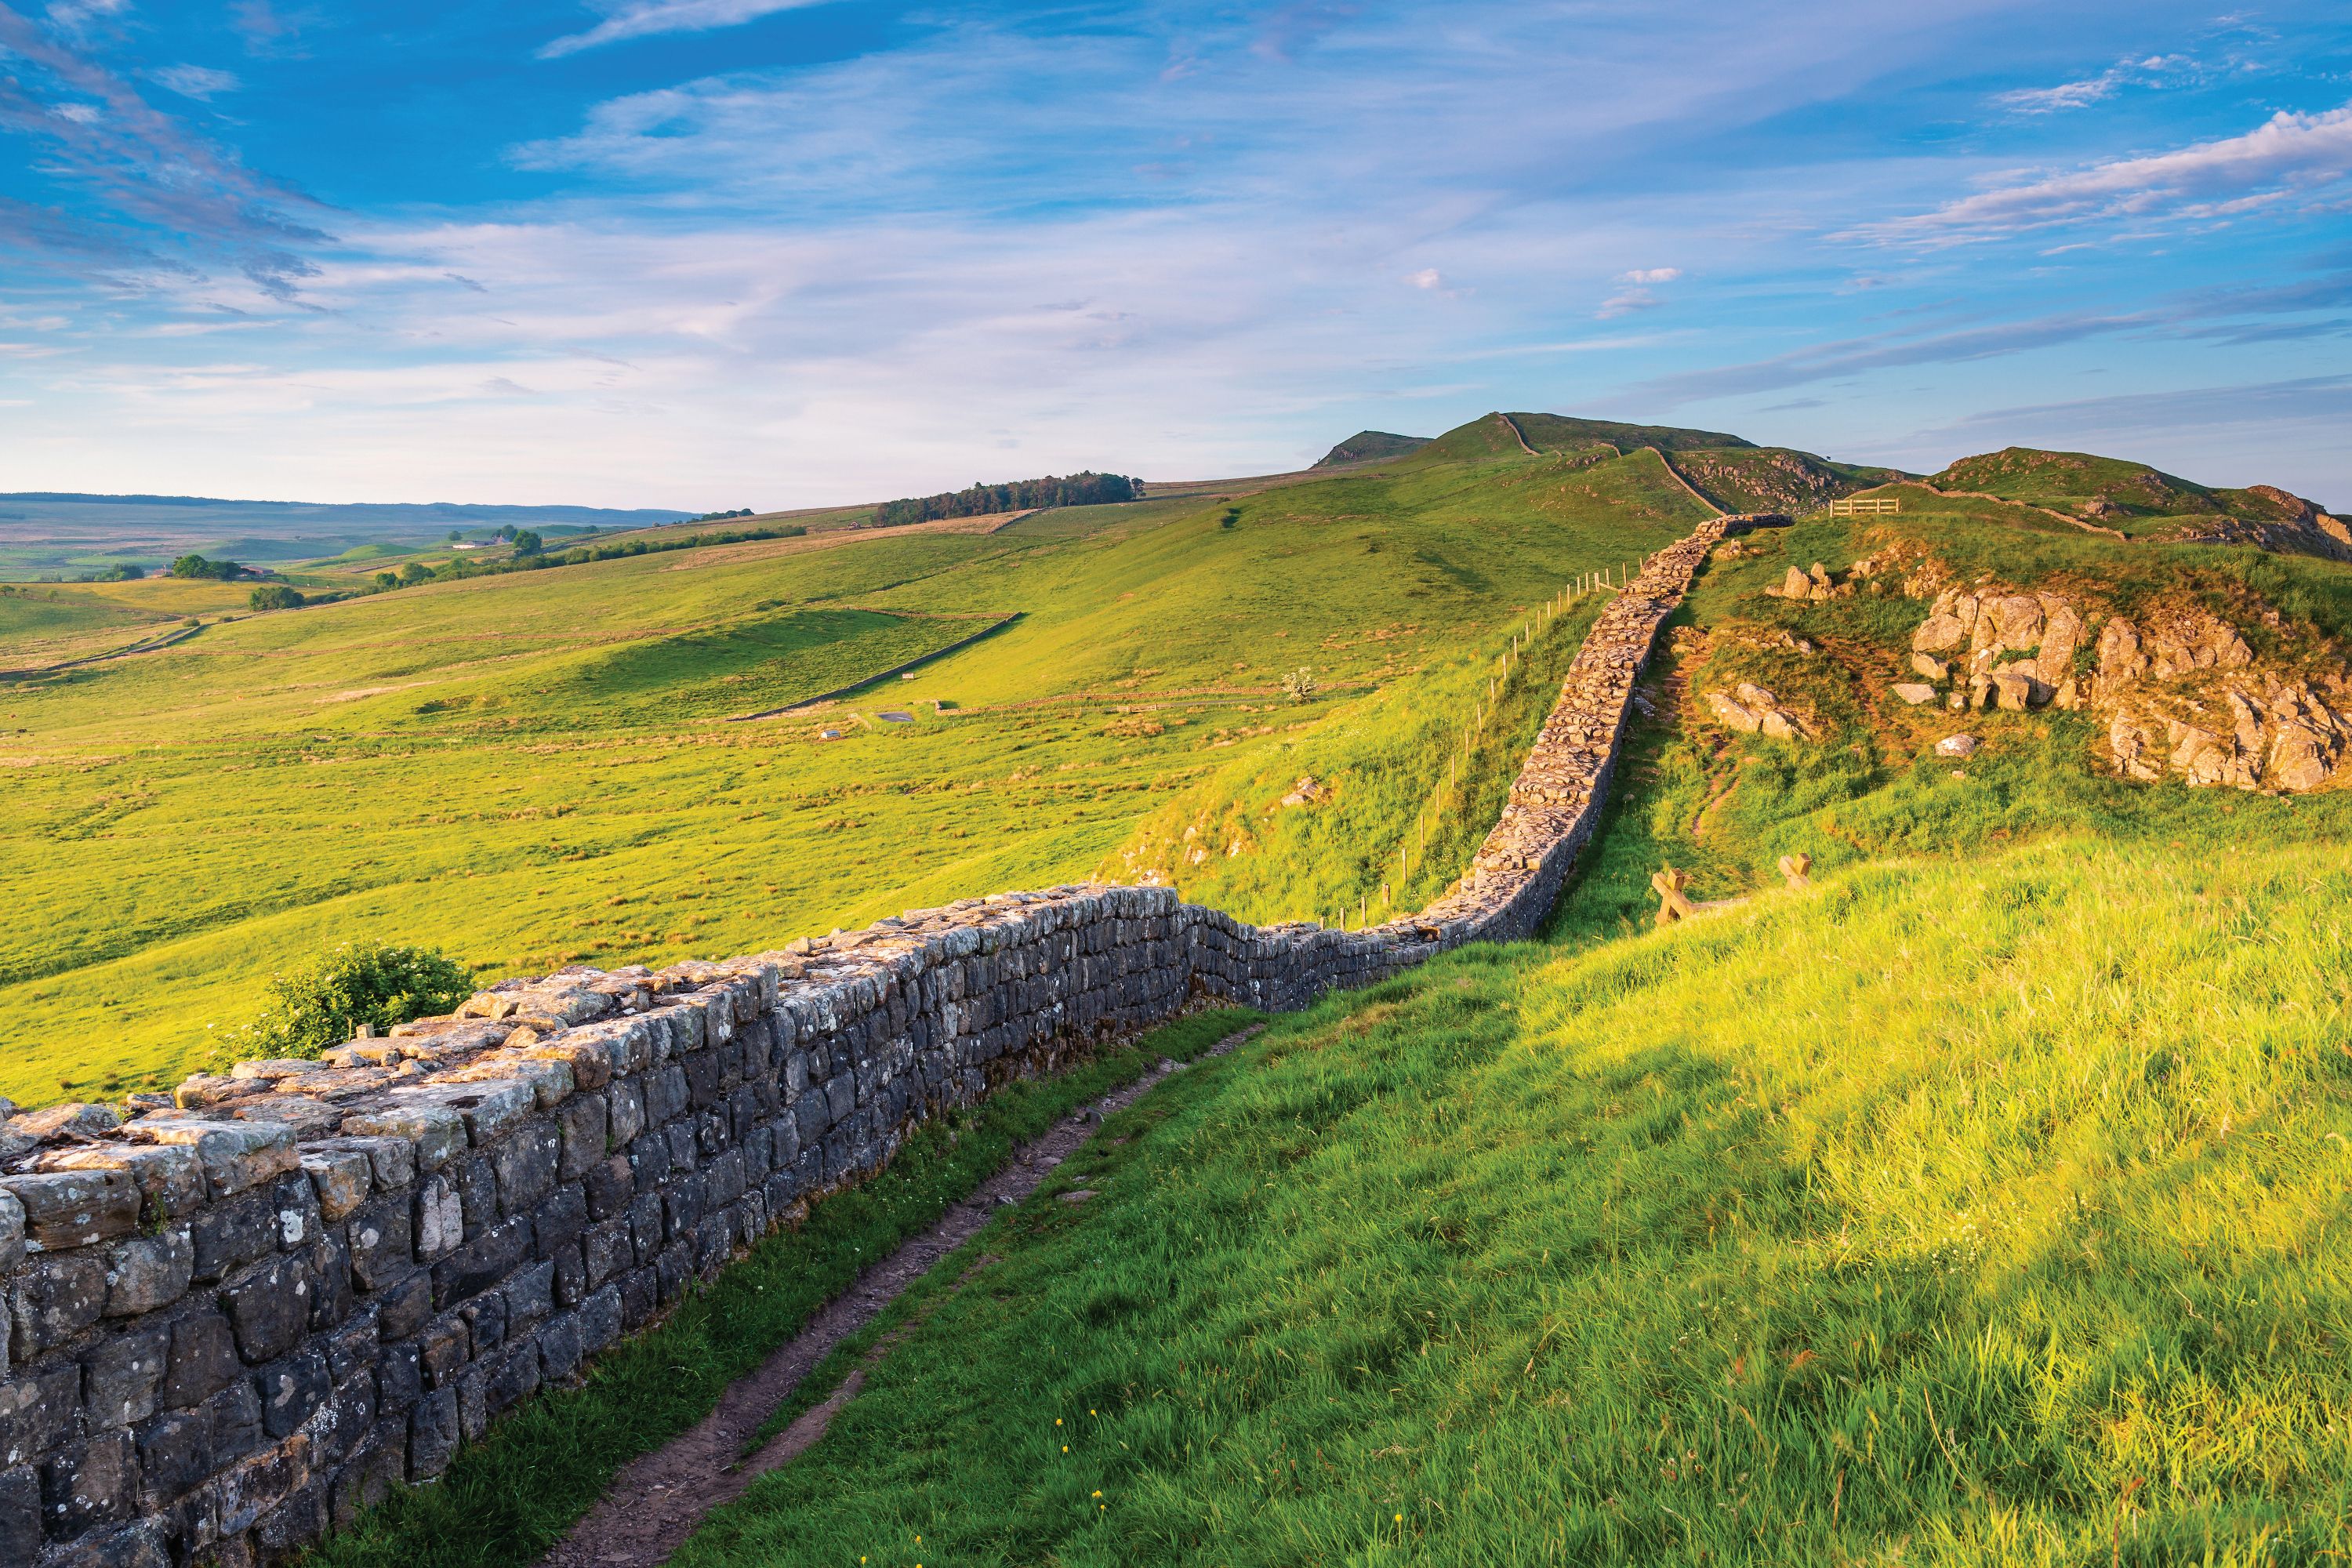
[[1086, 488], [531, 557]]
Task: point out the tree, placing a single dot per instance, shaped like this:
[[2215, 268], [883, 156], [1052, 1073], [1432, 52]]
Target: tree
[[506, 532], [456, 534], [370, 984], [387, 580], [192, 566], [1299, 685], [527, 542], [415, 572], [275, 596]]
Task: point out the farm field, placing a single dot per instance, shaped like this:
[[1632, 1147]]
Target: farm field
[[535, 769]]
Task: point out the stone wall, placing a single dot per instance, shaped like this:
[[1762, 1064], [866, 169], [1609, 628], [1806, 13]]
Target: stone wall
[[237, 1319]]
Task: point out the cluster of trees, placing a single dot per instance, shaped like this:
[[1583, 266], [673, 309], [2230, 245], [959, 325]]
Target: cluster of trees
[[723, 516], [197, 566], [275, 596], [375, 984], [531, 557], [1086, 489]]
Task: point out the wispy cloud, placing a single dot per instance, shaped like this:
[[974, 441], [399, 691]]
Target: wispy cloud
[[1638, 297], [196, 81], [2290, 156], [2149, 69], [646, 18], [153, 178]]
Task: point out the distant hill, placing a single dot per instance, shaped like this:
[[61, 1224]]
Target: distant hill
[[56, 533], [2138, 500], [1371, 447], [1500, 435]]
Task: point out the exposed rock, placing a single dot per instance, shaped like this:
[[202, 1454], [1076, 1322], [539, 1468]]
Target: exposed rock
[[2178, 689], [1306, 792], [1915, 693], [1750, 709], [1929, 668], [1956, 746]]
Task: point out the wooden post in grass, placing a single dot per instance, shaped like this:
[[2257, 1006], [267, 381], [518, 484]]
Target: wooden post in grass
[[1793, 868], [1668, 885]]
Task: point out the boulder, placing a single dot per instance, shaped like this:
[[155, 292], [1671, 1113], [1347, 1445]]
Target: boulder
[[1928, 669], [1915, 693], [1956, 746]]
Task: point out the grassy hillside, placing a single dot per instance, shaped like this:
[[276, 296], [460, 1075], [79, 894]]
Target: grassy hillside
[[1976, 1205], [537, 769], [2131, 497], [2008, 1239]]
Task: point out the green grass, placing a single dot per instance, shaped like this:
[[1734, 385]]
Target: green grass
[[1964, 1212], [532, 770], [507, 1500]]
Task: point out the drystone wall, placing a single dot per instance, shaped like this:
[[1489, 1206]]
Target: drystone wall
[[239, 1318]]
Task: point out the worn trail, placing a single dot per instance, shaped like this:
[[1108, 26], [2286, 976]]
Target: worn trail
[[656, 1502]]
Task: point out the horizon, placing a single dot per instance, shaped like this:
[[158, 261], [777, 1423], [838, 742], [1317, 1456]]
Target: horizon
[[700, 254]]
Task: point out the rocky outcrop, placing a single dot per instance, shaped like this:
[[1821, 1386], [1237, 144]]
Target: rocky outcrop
[[2313, 533], [1751, 709], [2180, 691]]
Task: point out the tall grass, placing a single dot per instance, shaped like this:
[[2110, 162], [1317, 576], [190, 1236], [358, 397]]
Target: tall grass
[[1957, 1213]]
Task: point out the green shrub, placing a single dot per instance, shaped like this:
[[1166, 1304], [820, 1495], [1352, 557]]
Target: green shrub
[[275, 596], [376, 984]]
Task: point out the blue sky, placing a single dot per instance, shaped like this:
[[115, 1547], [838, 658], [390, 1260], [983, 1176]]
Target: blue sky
[[718, 253]]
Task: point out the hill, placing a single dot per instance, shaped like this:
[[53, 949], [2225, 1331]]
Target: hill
[[1370, 447], [538, 768], [2138, 500]]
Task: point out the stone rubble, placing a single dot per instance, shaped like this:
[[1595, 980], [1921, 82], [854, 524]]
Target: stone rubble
[[242, 1316]]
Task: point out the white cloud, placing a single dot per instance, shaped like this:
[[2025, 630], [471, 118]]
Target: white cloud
[[2153, 69], [1427, 277], [2289, 156], [1651, 275], [645, 18], [196, 81]]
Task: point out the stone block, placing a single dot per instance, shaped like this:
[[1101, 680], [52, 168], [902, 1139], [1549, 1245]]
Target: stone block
[[235, 1416], [38, 1410], [375, 1469], [530, 1296], [201, 1361], [235, 1156], [268, 1308], [292, 1388], [526, 1161], [608, 1186], [139, 1545], [20, 1514], [293, 1524], [327, 1266], [483, 1262], [440, 1223], [12, 1238], [67, 1209], [169, 1177], [399, 1379], [485, 1318], [433, 1132], [403, 1307], [149, 1272], [250, 1489], [600, 1319], [91, 1483], [432, 1435], [561, 1348], [231, 1235], [342, 1178], [381, 1236], [582, 1123], [443, 1349], [175, 1455], [122, 1377], [57, 1296]]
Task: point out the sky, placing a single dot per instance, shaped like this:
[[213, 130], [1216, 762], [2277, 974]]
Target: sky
[[771, 253]]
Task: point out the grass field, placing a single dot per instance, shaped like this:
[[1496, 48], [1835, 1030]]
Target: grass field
[[536, 769], [1978, 1251]]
